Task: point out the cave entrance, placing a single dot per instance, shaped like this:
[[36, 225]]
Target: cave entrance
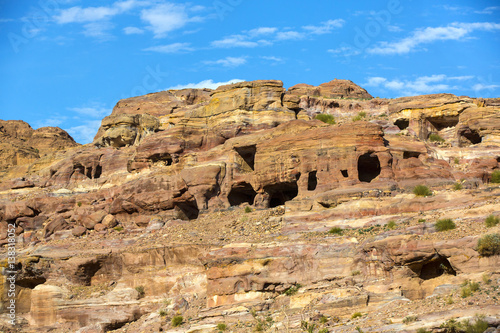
[[241, 193], [161, 157], [345, 174], [281, 193], [402, 123], [470, 136], [433, 268], [312, 181], [247, 153], [410, 154], [440, 123], [187, 210], [368, 167]]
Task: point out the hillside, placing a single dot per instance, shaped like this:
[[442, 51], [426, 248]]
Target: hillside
[[256, 207]]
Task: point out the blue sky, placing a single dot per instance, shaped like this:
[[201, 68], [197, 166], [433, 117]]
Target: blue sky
[[67, 62]]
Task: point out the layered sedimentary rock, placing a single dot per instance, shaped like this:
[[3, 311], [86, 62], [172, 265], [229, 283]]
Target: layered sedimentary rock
[[142, 217]]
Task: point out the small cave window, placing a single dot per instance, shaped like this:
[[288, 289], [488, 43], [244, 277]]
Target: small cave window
[[471, 136], [368, 167], [281, 193], [312, 181], [241, 193], [441, 123], [402, 123], [247, 153], [187, 210], [161, 157], [410, 154], [345, 173], [433, 268]]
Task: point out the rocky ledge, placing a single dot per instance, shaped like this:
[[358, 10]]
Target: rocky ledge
[[256, 208]]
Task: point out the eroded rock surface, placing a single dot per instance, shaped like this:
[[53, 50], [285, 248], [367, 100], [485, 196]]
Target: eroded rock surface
[[235, 205]]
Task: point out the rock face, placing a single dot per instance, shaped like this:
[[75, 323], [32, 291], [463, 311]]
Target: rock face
[[332, 89], [20, 144], [235, 203]]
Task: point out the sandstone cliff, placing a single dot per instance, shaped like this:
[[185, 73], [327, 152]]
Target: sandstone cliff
[[236, 205]]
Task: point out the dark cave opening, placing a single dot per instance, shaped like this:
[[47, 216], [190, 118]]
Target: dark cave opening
[[165, 157], [433, 268], [410, 154], [187, 210], [281, 193], [345, 173], [471, 136], [312, 181], [368, 167], [440, 123], [402, 123], [241, 193], [247, 153]]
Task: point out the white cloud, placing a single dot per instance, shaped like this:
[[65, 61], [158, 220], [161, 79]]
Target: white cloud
[[263, 36], [171, 48], [488, 10], [96, 111], [133, 31], [346, 51], [165, 18], [262, 31], [289, 35], [234, 41], [325, 27], [454, 31], [98, 29], [272, 58], [84, 133], [228, 62], [210, 84], [394, 28], [420, 85], [54, 121], [480, 86], [89, 14]]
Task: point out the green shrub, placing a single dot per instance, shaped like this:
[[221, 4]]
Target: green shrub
[[495, 177], [118, 228], [323, 320], [486, 278], [456, 160], [292, 290], [163, 312], [336, 231], [421, 220], [356, 315], [392, 224], [489, 245], [422, 191], [355, 273], [453, 326], [323, 330], [177, 321], [445, 224], [141, 291], [435, 138], [248, 209], [457, 186], [492, 221], [308, 327], [423, 330], [409, 319], [221, 327], [79, 203], [326, 118], [468, 288]]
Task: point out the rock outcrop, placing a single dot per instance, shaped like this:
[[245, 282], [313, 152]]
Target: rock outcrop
[[235, 205]]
